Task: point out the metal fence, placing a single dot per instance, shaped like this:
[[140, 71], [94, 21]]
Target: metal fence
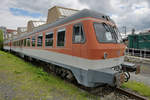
[[144, 53]]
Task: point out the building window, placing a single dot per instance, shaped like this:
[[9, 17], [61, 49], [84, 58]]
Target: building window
[[49, 39], [61, 37], [78, 35], [28, 42], [40, 40], [24, 42], [33, 41]]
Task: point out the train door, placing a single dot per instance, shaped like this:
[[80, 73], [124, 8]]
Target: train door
[[77, 39]]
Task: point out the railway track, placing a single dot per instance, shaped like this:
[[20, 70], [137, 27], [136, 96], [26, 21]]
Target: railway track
[[118, 93], [129, 94]]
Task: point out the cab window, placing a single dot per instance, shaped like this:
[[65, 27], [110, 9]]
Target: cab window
[[105, 33], [78, 35]]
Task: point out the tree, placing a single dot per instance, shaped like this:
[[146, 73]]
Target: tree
[[1, 39]]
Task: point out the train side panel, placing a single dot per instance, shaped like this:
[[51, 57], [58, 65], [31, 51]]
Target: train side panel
[[85, 60]]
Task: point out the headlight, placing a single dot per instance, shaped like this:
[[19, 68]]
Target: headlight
[[105, 55]]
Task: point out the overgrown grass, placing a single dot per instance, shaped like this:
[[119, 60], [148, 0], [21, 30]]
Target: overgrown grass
[[139, 87], [31, 79]]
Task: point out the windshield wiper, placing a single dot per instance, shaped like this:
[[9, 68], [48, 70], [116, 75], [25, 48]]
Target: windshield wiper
[[118, 34], [110, 29]]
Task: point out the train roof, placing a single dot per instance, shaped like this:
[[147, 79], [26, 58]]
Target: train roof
[[81, 14]]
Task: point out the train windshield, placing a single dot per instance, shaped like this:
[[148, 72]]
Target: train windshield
[[119, 38], [107, 33]]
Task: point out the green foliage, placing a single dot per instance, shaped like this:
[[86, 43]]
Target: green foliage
[[139, 87], [1, 39]]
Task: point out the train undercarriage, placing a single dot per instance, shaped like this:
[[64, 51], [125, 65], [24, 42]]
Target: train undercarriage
[[115, 76]]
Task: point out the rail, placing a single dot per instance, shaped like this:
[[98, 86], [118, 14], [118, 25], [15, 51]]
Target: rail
[[130, 94]]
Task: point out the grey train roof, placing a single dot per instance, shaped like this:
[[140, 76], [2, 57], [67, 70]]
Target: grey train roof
[[81, 14]]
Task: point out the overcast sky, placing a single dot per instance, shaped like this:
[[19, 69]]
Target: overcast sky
[[129, 13]]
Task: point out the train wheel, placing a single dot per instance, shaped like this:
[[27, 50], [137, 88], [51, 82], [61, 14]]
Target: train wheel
[[127, 76]]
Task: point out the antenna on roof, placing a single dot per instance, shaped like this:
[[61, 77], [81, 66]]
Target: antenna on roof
[[133, 31]]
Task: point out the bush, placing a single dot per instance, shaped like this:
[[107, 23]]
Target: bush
[[1, 39]]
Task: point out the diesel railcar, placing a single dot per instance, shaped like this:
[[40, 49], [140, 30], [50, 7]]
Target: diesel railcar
[[86, 46], [139, 41], [139, 44]]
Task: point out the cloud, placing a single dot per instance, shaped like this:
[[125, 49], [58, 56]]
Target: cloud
[[42, 6], [16, 13], [11, 21], [129, 13]]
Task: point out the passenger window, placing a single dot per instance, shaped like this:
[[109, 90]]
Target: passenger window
[[28, 42], [24, 42], [49, 39], [78, 35], [61, 38], [40, 40], [18, 43], [21, 42], [33, 40]]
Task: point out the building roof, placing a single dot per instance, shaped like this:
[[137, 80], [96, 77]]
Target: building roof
[[10, 31], [33, 25], [38, 23], [56, 13], [22, 29], [64, 12]]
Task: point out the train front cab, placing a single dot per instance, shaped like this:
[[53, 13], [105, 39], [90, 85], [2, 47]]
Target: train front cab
[[104, 54]]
